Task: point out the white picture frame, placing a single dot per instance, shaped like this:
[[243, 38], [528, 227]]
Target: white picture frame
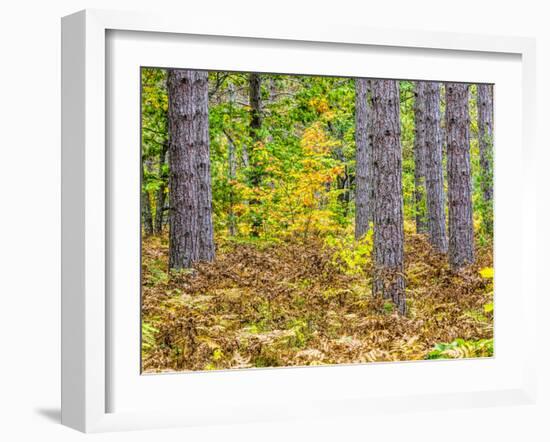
[[89, 321]]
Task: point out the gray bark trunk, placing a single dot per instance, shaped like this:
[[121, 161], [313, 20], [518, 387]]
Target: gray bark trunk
[[362, 184], [272, 89], [370, 156], [419, 156], [461, 231], [255, 99], [433, 168], [389, 281], [146, 207], [161, 192], [191, 230], [244, 156], [232, 167], [485, 132]]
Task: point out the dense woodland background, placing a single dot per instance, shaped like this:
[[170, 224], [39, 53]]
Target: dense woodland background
[[297, 220]]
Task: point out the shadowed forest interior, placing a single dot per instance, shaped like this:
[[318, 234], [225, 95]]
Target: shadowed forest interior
[[303, 220]]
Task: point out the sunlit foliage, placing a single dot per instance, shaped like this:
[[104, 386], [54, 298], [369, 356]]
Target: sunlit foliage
[[299, 292]]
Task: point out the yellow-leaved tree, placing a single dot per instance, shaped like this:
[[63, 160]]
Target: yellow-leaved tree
[[304, 200]]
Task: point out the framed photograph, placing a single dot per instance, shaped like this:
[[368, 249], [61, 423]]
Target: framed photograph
[[265, 223]]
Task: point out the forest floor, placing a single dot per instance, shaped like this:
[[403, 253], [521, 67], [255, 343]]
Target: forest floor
[[306, 303]]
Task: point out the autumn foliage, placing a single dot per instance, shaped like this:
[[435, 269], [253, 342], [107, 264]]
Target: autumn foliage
[[308, 303], [290, 284]]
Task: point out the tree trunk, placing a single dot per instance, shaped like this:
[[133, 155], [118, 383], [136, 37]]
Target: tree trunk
[[255, 171], [146, 207], [232, 169], [419, 156], [244, 156], [161, 192], [232, 166], [343, 181], [461, 231], [362, 184], [370, 156], [433, 168], [255, 83], [389, 281], [191, 230], [272, 89], [485, 131]]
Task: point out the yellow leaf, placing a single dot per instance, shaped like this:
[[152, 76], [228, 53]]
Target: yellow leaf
[[487, 272]]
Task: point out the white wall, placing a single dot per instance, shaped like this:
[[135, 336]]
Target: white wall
[[30, 220]]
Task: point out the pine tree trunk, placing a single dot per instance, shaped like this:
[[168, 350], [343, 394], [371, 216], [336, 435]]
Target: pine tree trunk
[[146, 207], [433, 155], [389, 281], [419, 156], [461, 231], [362, 185], [232, 166], [191, 230], [232, 169], [485, 131], [161, 192], [370, 156], [255, 99], [255, 83]]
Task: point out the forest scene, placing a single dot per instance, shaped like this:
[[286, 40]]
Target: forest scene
[[293, 220]]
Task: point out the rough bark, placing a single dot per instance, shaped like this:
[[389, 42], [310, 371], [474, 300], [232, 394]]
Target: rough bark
[[255, 171], [370, 157], [191, 231], [433, 168], [389, 281], [146, 214], [485, 131], [232, 167], [255, 83], [362, 185], [161, 192], [485, 134], [461, 231], [419, 156]]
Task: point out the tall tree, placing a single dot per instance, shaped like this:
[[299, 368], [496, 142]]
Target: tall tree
[[419, 156], [255, 96], [370, 156], [255, 100], [232, 165], [485, 133], [191, 231], [146, 206], [161, 191], [461, 230], [433, 167], [362, 167], [389, 279]]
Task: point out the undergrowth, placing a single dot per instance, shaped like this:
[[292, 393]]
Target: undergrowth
[[309, 302]]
